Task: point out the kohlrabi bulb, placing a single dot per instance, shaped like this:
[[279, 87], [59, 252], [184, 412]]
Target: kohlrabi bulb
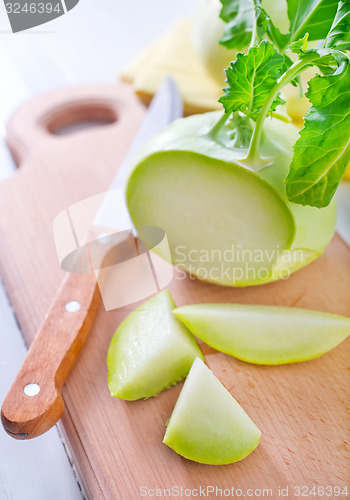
[[227, 221]]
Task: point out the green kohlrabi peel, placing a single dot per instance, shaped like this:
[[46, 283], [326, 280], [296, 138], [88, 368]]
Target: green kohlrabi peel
[[244, 200], [268, 335], [150, 351], [226, 221], [207, 424]]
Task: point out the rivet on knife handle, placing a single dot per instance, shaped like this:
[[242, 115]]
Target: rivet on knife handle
[[34, 403]]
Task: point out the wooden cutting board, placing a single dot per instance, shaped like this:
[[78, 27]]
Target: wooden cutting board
[[117, 445]]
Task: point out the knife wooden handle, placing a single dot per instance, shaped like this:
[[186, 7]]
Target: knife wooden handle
[[32, 137], [50, 359]]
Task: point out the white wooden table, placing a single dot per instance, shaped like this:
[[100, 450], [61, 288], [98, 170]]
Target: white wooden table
[[89, 44]]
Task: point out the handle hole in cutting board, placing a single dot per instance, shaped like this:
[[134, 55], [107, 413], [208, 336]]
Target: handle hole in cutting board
[[77, 117]]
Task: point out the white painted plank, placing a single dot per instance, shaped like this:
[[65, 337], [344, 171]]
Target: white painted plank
[[36, 469]]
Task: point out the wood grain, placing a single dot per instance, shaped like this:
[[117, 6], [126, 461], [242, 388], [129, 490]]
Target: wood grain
[[50, 358], [117, 445]]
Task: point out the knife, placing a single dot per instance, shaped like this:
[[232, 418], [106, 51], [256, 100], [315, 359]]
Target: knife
[[34, 402]]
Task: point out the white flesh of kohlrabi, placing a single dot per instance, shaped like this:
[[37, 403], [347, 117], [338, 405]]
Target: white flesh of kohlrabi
[[150, 351], [207, 424], [226, 221], [268, 335]]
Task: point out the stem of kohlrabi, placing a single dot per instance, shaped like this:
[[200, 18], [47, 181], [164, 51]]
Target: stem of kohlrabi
[[253, 152], [218, 125]]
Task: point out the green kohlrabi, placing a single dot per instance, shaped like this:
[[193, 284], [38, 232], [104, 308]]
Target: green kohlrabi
[[238, 24], [243, 197], [255, 80]]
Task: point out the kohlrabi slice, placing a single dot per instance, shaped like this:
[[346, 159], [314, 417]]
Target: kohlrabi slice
[[268, 335], [150, 351], [227, 220], [207, 424]]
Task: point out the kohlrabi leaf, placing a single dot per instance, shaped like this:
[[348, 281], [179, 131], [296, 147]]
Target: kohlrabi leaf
[[310, 16], [280, 40], [322, 152], [299, 45], [314, 17], [251, 78], [339, 35], [239, 17], [244, 17]]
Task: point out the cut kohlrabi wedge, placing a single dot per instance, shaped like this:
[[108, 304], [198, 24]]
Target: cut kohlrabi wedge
[[268, 335], [207, 424], [227, 219], [150, 351]]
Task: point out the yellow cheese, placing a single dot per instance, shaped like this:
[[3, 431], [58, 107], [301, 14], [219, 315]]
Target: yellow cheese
[[175, 55], [139, 63]]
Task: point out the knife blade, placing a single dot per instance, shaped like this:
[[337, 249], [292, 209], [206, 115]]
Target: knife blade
[[34, 402], [165, 107]]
